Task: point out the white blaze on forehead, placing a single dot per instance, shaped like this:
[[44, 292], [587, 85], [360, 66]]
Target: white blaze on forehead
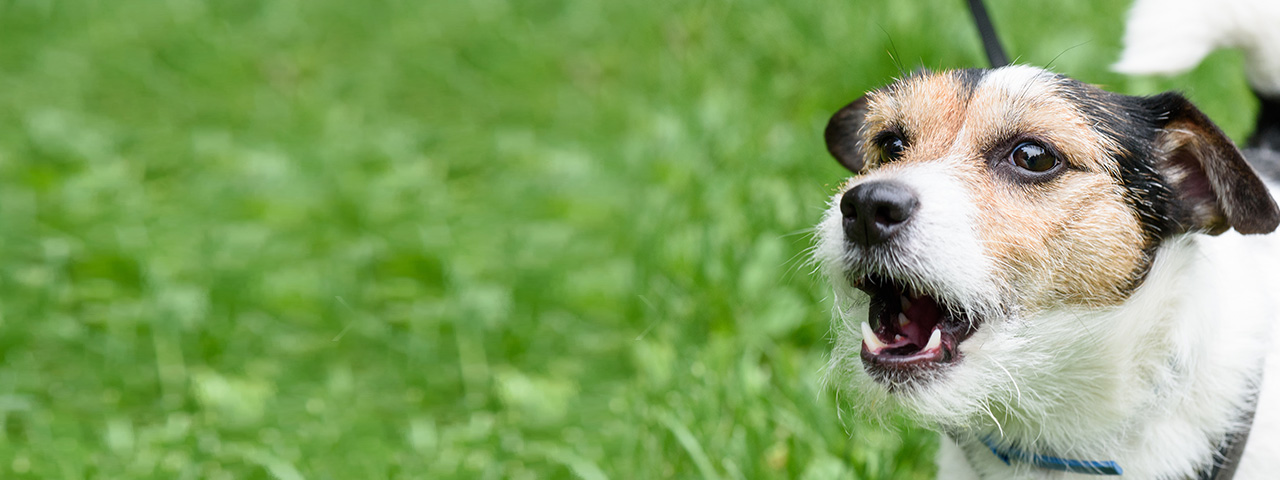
[[1016, 79]]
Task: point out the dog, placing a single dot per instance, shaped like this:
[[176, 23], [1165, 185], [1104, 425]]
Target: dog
[[1063, 281]]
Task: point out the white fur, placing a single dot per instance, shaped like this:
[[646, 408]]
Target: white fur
[[1150, 384], [1173, 36], [1017, 81]]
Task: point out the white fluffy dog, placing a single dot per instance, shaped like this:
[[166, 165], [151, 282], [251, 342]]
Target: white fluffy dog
[[1066, 282]]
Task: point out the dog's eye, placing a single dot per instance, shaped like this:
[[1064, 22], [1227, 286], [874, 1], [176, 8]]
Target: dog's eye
[[1033, 157], [891, 147]]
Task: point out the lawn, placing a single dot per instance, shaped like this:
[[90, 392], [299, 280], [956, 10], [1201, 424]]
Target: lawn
[[485, 239]]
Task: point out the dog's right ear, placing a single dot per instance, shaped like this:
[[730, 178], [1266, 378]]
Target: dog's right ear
[[842, 135]]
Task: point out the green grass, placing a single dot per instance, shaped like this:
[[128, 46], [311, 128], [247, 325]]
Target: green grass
[[484, 239]]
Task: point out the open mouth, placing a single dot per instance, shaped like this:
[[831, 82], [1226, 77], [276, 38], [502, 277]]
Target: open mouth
[[907, 330]]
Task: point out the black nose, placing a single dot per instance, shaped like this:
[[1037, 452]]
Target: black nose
[[875, 211]]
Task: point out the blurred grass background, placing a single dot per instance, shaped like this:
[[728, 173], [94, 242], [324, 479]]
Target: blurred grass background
[[484, 239]]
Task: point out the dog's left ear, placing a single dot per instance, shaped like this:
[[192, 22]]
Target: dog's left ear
[[842, 135], [1215, 185]]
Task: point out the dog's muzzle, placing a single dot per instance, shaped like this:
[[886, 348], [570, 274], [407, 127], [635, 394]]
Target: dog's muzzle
[[910, 329]]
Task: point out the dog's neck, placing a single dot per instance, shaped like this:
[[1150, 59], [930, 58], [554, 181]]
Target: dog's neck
[[1150, 391]]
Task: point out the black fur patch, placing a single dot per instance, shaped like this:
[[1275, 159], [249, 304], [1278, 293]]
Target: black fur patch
[[1266, 130], [1264, 144], [969, 79], [1266, 160], [1132, 123]]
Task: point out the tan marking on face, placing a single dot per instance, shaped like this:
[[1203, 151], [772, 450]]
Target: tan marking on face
[[926, 109], [1075, 243], [1071, 240]]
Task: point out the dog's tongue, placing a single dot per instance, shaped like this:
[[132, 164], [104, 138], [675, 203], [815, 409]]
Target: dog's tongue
[[923, 315]]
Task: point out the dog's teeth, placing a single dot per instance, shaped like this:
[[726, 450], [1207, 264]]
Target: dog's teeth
[[935, 340], [874, 345], [898, 338], [903, 320], [906, 302]]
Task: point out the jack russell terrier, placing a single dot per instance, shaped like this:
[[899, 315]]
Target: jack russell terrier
[[1063, 281]]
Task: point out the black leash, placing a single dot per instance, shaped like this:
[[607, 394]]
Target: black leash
[[995, 53]]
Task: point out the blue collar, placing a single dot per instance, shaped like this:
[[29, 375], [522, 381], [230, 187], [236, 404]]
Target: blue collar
[[1091, 467]]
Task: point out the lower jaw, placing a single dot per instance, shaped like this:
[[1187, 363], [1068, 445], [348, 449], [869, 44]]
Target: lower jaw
[[905, 372], [908, 369]]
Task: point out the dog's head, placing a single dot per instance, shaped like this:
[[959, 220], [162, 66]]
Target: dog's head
[[985, 203]]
